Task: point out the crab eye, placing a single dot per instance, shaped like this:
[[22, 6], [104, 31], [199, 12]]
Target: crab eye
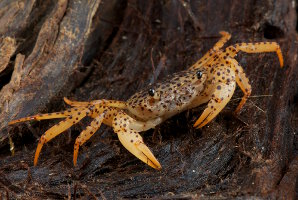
[[151, 92], [199, 74]]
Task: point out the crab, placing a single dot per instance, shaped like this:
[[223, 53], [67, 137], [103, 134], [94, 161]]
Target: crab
[[211, 80]]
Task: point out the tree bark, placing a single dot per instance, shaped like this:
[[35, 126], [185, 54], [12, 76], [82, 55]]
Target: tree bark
[[95, 49]]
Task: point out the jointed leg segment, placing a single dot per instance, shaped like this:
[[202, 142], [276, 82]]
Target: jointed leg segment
[[54, 115], [102, 102], [242, 81], [59, 128], [258, 47], [132, 140], [220, 98], [225, 37], [86, 134]]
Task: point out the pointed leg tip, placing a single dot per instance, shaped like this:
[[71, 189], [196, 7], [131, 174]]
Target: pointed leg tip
[[236, 113], [147, 156], [281, 62], [66, 100], [75, 161], [196, 125], [223, 32], [156, 166], [153, 162], [11, 122], [35, 162]]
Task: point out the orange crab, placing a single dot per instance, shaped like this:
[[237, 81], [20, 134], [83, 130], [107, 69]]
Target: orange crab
[[211, 79]]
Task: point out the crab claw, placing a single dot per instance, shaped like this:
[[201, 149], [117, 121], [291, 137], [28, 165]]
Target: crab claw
[[135, 145], [133, 141]]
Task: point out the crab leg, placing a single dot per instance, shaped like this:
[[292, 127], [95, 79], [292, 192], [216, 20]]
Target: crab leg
[[59, 128], [257, 47], [86, 134], [54, 115], [76, 103], [242, 81], [221, 97], [132, 140], [225, 37], [103, 102], [209, 55]]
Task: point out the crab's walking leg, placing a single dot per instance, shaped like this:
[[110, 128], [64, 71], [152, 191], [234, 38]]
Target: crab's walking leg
[[54, 115], [86, 134], [132, 140], [258, 47], [103, 102], [225, 37], [219, 100], [76, 103], [242, 81], [59, 128]]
